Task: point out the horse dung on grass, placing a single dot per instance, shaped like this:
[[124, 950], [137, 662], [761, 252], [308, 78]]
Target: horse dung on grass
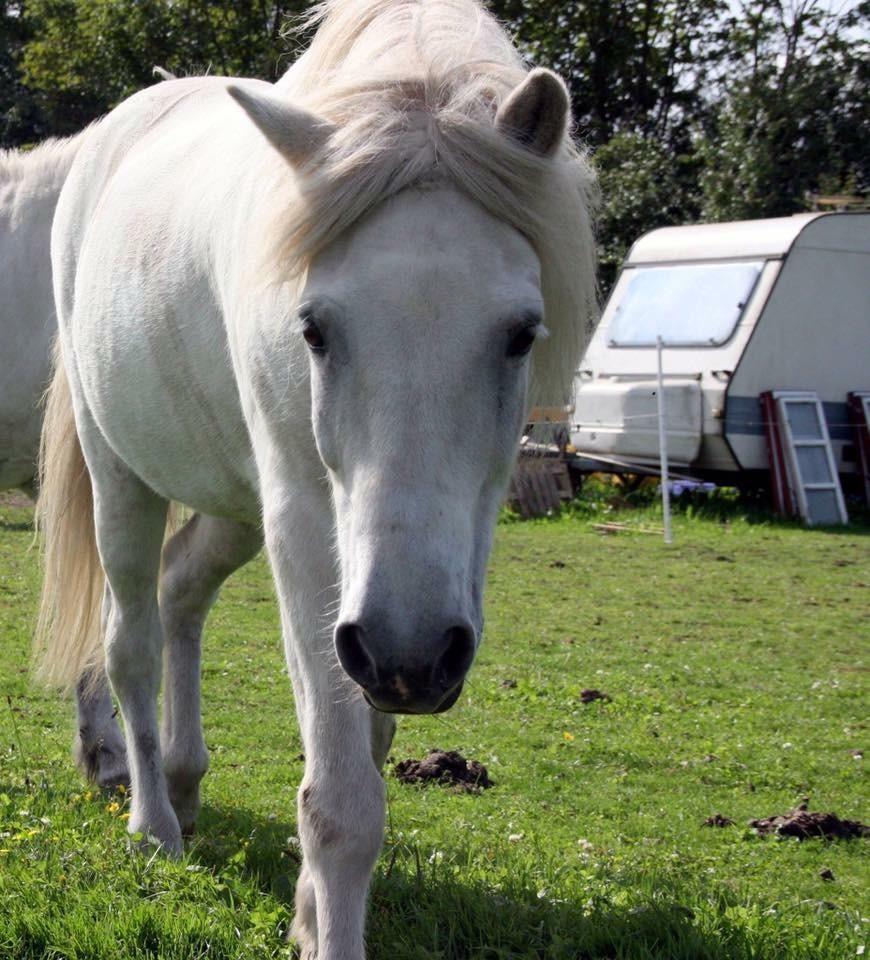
[[315, 314]]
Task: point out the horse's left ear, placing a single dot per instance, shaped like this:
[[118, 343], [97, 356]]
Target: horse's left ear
[[294, 133], [536, 113]]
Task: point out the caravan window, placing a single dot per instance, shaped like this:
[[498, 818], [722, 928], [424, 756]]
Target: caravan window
[[693, 304]]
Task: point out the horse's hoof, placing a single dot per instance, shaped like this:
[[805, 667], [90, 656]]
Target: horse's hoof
[[101, 764], [303, 931], [150, 840], [114, 779], [186, 805], [303, 948]]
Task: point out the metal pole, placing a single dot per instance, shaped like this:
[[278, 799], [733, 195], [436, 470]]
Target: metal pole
[[663, 444]]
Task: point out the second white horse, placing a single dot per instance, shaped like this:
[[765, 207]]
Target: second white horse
[[30, 183]]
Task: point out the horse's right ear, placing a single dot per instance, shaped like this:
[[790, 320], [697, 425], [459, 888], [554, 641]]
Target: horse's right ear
[[294, 133]]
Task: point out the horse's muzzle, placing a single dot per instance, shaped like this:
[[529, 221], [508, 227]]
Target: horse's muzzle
[[419, 706], [393, 686]]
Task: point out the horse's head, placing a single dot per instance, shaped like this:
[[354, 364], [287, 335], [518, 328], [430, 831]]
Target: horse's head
[[419, 321]]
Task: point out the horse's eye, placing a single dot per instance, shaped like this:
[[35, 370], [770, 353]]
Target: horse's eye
[[521, 341], [312, 336]]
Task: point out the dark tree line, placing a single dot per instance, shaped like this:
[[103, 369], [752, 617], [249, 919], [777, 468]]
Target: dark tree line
[[70, 61], [695, 109]]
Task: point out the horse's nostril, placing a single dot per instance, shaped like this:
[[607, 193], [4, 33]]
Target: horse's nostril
[[456, 658], [353, 655]]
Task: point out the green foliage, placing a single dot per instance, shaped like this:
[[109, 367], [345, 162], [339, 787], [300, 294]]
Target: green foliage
[[707, 110], [702, 110], [644, 184], [733, 660], [794, 114], [82, 57], [18, 116], [631, 67]]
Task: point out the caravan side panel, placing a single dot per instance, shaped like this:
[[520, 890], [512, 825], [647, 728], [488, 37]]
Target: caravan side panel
[[813, 334]]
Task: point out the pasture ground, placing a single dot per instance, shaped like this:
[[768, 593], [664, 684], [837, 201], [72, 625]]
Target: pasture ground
[[735, 663]]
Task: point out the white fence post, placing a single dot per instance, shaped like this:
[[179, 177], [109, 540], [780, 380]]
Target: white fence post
[[663, 444]]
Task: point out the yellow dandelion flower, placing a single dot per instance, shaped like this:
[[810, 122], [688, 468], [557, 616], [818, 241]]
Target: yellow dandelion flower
[[568, 736], [113, 807]]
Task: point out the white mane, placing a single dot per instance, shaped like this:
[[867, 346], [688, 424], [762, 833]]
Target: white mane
[[414, 93], [45, 165]]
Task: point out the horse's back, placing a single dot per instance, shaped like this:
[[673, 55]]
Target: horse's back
[[140, 305]]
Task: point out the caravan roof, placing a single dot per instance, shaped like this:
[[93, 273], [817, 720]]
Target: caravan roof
[[744, 239]]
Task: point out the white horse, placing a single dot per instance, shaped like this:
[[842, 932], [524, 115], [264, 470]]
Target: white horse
[[30, 183], [313, 314]]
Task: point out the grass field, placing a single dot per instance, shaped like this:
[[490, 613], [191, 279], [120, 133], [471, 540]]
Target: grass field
[[735, 661]]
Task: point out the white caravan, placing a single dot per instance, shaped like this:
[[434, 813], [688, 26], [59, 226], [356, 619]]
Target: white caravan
[[742, 308]]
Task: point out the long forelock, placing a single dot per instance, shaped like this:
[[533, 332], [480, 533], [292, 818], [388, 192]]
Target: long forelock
[[413, 89]]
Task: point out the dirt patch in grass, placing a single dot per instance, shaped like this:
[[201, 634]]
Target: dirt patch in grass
[[590, 695], [718, 820], [806, 825], [445, 767]]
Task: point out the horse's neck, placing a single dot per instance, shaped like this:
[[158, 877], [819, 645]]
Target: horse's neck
[[295, 76]]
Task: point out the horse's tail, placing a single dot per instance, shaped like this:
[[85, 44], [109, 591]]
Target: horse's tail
[[68, 642]]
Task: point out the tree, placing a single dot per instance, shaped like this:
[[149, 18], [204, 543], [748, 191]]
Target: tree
[[633, 66], [19, 116], [699, 111], [85, 56], [638, 72], [793, 113], [695, 109], [643, 186]]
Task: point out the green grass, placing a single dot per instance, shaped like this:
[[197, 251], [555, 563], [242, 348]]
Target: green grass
[[736, 664]]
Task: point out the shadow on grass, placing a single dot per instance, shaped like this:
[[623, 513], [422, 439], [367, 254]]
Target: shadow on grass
[[425, 909], [17, 526], [234, 838]]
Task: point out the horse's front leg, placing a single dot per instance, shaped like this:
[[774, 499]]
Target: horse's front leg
[[341, 798]]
